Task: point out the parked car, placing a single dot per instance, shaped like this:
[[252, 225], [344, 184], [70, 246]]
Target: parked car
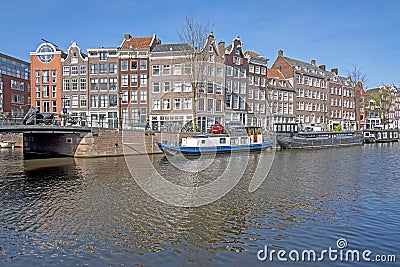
[[216, 129]]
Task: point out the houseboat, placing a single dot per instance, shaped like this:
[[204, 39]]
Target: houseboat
[[237, 139], [320, 139], [381, 135]]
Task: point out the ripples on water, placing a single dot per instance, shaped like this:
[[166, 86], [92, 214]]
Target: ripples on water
[[90, 212]]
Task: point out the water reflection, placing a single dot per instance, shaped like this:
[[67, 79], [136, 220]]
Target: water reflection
[[91, 211]]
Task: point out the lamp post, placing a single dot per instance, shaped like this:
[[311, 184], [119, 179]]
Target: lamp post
[[120, 94]]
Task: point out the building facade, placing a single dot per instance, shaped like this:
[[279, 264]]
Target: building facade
[[236, 108], [46, 82], [280, 99], [74, 94], [103, 87], [134, 74], [257, 104], [14, 88]]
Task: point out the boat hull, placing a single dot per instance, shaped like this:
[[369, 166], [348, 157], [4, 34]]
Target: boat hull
[[296, 142], [188, 150]]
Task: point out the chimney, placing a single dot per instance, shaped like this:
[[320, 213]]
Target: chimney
[[313, 62], [127, 36], [335, 70], [221, 48], [280, 53], [323, 67]]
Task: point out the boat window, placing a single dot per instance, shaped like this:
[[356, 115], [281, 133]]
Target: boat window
[[244, 140], [203, 141], [234, 141], [222, 140]]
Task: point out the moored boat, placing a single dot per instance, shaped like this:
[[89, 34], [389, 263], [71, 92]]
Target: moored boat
[[320, 139], [7, 144], [381, 136], [241, 140]]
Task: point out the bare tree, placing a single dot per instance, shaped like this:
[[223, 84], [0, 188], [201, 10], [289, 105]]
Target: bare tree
[[194, 34], [359, 78]]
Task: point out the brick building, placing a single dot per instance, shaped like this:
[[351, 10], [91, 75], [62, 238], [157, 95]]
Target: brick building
[[46, 82], [280, 98], [235, 82], [14, 88], [74, 94], [257, 105], [134, 73], [103, 87], [311, 85]]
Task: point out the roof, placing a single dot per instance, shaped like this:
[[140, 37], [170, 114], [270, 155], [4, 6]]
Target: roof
[[171, 47], [251, 53], [307, 68], [137, 42], [273, 73]]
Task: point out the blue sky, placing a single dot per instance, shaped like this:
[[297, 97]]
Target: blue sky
[[339, 34]]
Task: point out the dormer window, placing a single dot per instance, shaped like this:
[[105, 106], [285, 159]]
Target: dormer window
[[238, 51], [210, 49]]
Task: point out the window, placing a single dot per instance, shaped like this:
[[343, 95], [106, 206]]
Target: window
[[94, 84], [210, 58], [166, 69], [75, 101], [251, 80], [210, 87], [236, 86], [242, 73], [143, 80], [103, 55], [83, 101], [53, 91], [93, 68], [46, 106], [112, 68], [113, 101], [94, 101], [236, 72], [134, 97], [210, 104], [210, 70], [134, 65], [103, 68], [124, 97], [218, 105], [37, 75], [177, 104], [124, 80], [167, 86], [53, 76], [54, 106], [103, 101], [74, 70], [143, 97], [45, 91], [219, 72], [187, 87], [124, 65], [156, 87], [201, 105], [242, 88], [155, 104], [218, 88], [83, 70], [74, 84], [177, 86], [250, 93], [134, 80], [166, 104], [187, 103], [65, 84], [66, 70], [103, 84], [188, 68], [143, 64], [263, 70], [257, 69], [156, 70], [178, 69], [135, 115], [113, 84], [228, 85]]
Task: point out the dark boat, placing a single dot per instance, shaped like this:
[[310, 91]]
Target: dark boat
[[381, 136], [320, 139]]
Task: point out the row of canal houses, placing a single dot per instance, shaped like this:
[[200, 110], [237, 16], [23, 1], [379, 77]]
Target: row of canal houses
[[145, 81]]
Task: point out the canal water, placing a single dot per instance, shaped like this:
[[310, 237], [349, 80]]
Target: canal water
[[91, 212]]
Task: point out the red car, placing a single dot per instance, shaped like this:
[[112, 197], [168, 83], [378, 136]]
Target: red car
[[217, 129]]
